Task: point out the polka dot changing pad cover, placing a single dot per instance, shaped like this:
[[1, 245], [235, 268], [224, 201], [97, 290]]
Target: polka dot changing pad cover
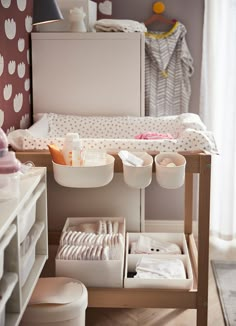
[[113, 133]]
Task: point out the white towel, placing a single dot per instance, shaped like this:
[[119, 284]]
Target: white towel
[[149, 245], [155, 268], [119, 25]]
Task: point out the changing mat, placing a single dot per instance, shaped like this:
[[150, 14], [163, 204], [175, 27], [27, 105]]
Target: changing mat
[[115, 133]]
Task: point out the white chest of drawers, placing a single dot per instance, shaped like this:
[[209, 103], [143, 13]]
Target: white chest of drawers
[[27, 250]]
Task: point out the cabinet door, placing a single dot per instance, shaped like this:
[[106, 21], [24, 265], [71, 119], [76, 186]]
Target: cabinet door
[[88, 73]]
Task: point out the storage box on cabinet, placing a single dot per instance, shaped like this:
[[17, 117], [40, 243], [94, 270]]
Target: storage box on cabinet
[[28, 255], [7, 285], [94, 273], [27, 216], [3, 244], [132, 260]]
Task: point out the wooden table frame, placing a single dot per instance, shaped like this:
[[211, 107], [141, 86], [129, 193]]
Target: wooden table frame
[[197, 298]]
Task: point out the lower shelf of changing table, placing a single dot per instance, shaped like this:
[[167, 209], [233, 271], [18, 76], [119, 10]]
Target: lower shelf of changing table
[[141, 298], [145, 297]]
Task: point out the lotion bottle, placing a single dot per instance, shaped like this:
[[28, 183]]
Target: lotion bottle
[[67, 147], [77, 153]]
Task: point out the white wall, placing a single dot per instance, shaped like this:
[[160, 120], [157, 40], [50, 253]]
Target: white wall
[[168, 204]]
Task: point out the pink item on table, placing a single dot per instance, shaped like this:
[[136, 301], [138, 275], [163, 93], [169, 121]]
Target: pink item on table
[[154, 135]]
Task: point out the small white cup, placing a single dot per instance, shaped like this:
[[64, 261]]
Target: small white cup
[[139, 176], [170, 177]]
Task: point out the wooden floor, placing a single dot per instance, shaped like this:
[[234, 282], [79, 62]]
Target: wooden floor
[[170, 317]]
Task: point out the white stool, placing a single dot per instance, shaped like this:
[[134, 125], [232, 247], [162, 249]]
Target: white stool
[[58, 301]]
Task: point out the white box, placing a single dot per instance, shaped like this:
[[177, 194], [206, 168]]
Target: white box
[[104, 273], [27, 261], [90, 8], [132, 259], [27, 216], [4, 243], [7, 285]]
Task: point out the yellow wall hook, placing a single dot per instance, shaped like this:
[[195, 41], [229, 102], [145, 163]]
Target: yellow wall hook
[[158, 7]]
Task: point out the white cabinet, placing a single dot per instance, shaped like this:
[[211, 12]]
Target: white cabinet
[[88, 73], [25, 220]]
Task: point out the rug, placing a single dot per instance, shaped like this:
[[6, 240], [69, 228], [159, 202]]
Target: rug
[[225, 276]]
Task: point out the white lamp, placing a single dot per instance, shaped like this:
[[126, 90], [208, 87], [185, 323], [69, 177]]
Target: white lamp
[[46, 11]]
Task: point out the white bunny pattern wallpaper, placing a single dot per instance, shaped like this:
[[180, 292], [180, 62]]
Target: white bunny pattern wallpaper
[[15, 28]]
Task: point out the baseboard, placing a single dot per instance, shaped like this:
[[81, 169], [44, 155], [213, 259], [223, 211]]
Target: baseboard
[[168, 226]]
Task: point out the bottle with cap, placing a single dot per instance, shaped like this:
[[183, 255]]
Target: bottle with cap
[[67, 146]]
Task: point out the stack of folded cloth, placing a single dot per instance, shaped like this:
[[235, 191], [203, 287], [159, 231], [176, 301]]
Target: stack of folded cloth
[[119, 25], [102, 226], [90, 246], [150, 267]]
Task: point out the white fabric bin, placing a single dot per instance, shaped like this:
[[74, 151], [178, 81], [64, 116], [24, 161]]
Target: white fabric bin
[[57, 301], [132, 259], [93, 273]]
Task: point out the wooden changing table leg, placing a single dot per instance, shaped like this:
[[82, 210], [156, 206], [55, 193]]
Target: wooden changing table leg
[[188, 219], [203, 239]]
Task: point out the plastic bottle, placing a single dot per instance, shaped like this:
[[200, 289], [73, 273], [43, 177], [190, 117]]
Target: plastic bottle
[[3, 143], [77, 153], [67, 147], [9, 176]]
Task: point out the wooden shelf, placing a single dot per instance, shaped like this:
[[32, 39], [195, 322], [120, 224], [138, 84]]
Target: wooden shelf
[[43, 158]]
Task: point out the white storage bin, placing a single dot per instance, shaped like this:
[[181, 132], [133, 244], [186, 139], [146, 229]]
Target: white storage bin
[[4, 243], [27, 216], [170, 177], [103, 273], [138, 176], [27, 261], [132, 259], [84, 176], [57, 301], [7, 285]]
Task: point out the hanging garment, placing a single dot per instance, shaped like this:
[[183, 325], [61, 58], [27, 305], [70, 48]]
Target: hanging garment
[[168, 68]]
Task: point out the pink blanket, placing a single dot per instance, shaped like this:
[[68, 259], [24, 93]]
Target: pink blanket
[[154, 135]]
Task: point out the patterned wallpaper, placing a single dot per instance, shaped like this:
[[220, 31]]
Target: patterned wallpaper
[[104, 9], [15, 26]]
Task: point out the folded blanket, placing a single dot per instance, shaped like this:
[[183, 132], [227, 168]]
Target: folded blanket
[[119, 25]]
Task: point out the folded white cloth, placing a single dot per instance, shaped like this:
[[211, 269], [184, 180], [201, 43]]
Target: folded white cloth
[[119, 25], [71, 239], [148, 245], [155, 268]]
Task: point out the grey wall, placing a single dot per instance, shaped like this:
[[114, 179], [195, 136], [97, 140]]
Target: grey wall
[[168, 205], [188, 12]]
